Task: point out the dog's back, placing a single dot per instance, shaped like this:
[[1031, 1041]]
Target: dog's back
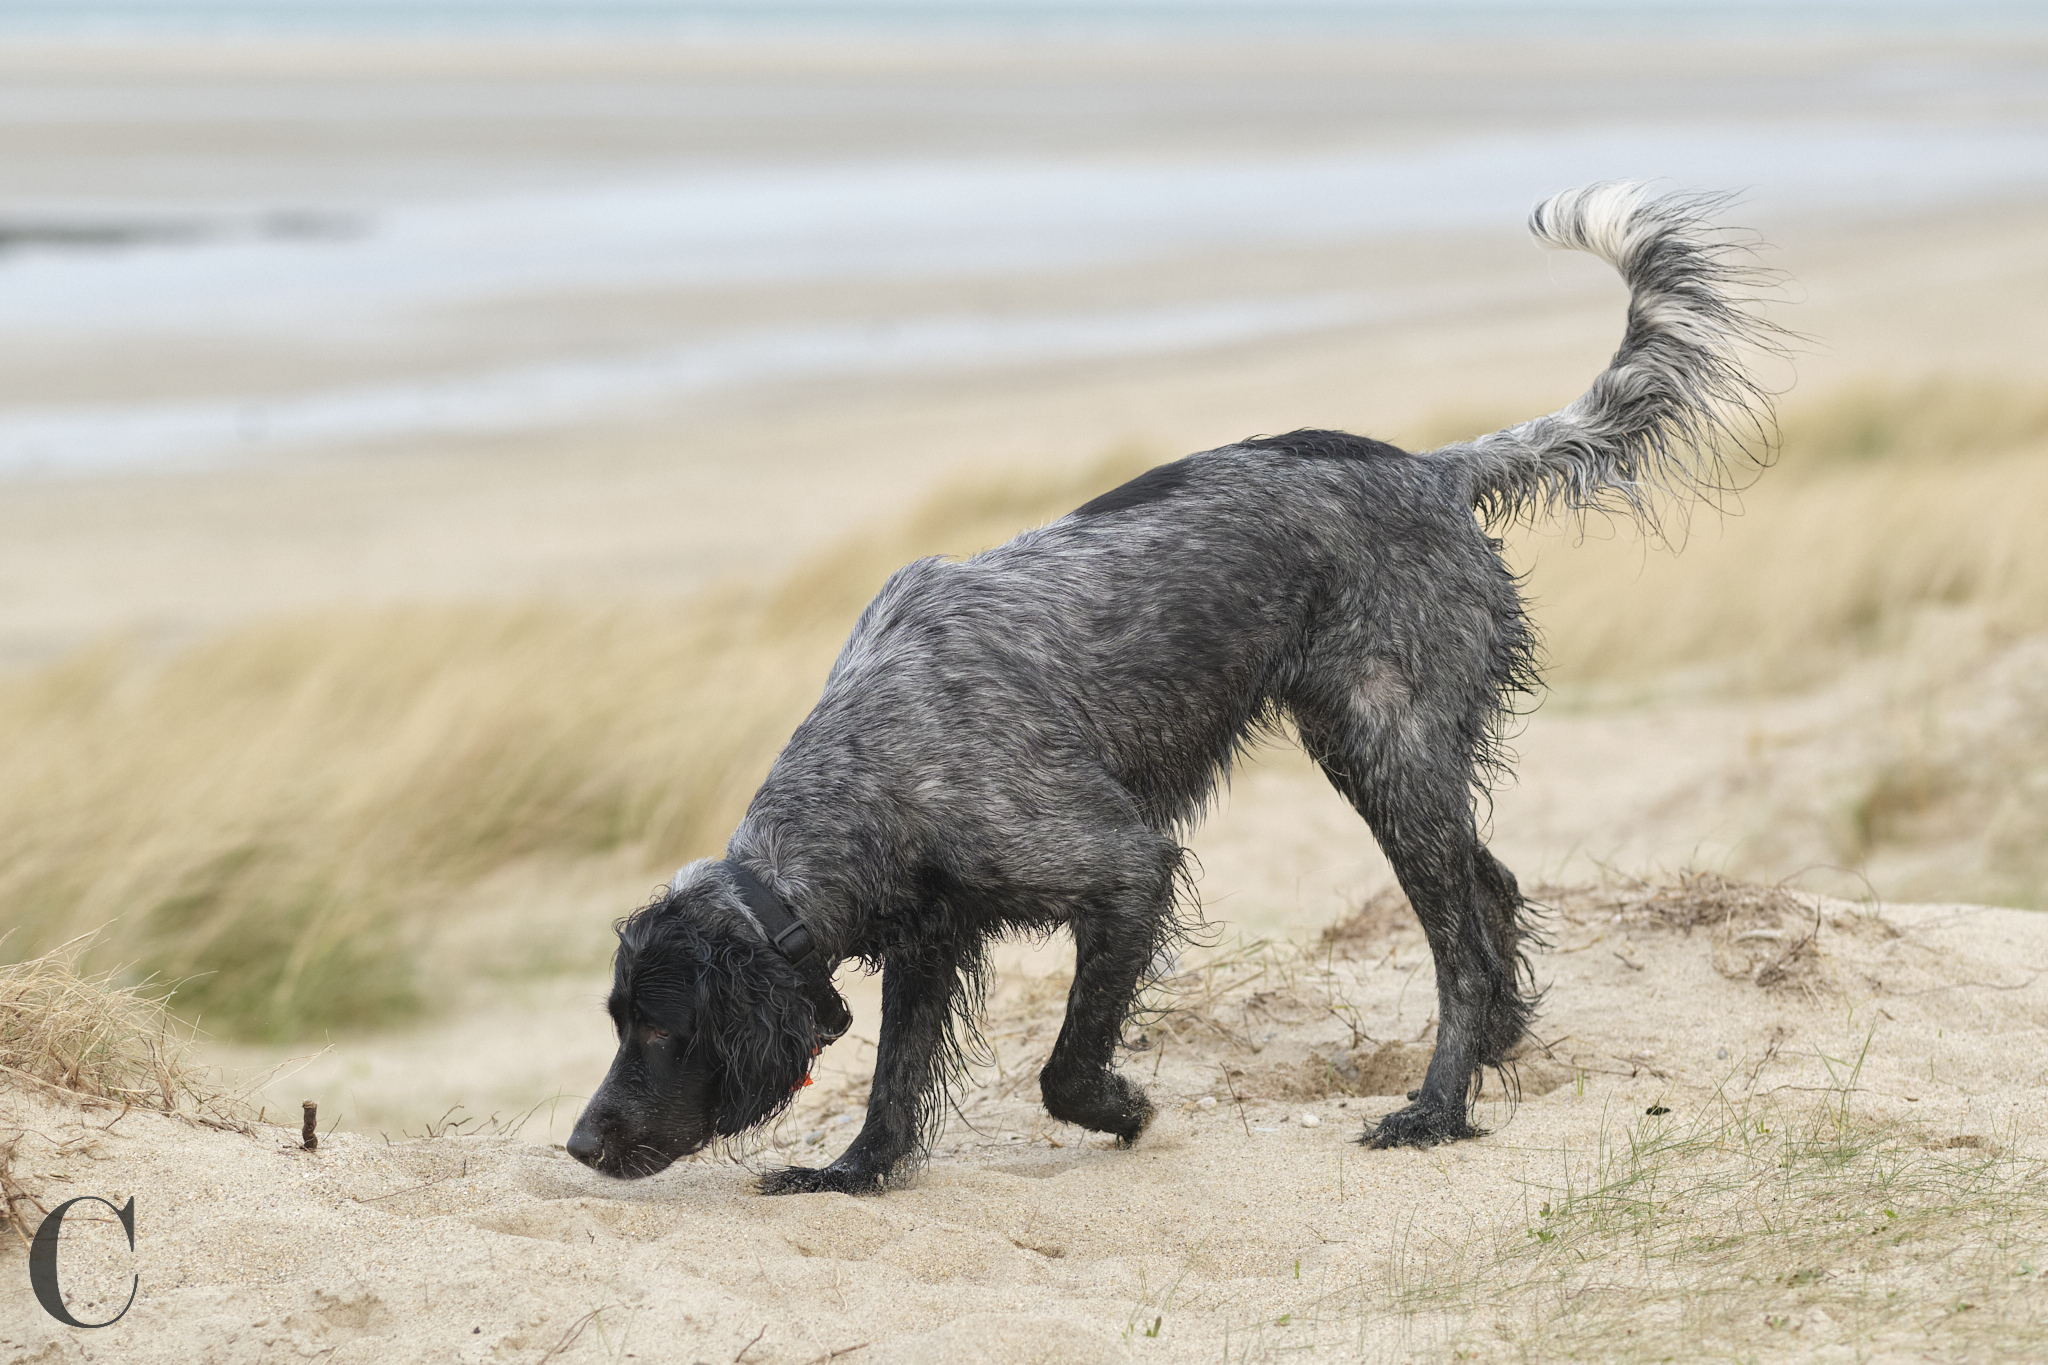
[[1149, 633]]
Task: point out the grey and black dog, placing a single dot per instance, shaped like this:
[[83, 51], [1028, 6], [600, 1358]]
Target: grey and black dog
[[1013, 742]]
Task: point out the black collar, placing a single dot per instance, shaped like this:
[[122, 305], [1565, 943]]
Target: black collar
[[787, 935]]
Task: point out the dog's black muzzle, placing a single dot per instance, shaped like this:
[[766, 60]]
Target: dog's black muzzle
[[610, 1144]]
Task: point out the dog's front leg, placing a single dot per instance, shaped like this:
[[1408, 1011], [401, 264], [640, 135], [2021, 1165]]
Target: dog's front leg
[[1111, 948], [904, 1102]]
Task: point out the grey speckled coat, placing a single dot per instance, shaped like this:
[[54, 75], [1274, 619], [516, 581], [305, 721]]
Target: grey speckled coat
[[1018, 740]]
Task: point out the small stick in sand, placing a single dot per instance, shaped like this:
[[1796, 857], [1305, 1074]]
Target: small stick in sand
[[1234, 1099], [309, 1132]]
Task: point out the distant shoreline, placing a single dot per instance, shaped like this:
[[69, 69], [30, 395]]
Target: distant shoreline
[[612, 319], [1148, 20]]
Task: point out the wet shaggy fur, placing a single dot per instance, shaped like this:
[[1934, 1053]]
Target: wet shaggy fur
[[1016, 742]]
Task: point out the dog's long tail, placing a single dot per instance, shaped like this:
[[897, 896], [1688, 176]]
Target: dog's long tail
[[1677, 404]]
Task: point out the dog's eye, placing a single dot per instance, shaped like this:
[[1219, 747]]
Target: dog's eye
[[653, 1034]]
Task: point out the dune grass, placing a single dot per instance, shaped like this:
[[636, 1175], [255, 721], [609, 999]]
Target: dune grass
[[1885, 504], [85, 1037], [272, 818], [1753, 1229]]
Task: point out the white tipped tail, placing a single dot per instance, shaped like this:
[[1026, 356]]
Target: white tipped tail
[[1675, 403]]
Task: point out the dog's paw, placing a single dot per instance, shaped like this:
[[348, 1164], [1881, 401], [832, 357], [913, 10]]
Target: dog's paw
[[834, 1179], [1103, 1102], [1420, 1125], [1136, 1119]]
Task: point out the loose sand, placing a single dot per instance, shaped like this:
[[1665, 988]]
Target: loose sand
[[1245, 1220]]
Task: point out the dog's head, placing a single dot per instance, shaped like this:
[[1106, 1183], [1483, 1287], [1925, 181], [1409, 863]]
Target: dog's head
[[716, 1032]]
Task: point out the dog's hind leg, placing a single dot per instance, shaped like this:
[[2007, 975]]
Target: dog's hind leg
[[1508, 918], [1417, 799], [1115, 940], [918, 993], [1434, 847]]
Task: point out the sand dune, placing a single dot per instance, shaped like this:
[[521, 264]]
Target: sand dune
[[1790, 1038]]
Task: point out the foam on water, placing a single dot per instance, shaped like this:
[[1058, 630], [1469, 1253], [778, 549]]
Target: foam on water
[[707, 226], [869, 221], [101, 438]]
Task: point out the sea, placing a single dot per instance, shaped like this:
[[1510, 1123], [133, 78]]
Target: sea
[[1140, 20], [1939, 113]]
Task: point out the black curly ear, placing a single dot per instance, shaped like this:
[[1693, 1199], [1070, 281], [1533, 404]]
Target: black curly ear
[[764, 1029]]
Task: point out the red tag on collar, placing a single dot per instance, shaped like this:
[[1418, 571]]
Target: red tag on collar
[[815, 1050]]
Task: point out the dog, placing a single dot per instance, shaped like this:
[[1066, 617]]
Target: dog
[[1014, 742]]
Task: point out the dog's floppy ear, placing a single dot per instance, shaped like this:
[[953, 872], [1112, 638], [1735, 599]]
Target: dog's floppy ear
[[765, 1032]]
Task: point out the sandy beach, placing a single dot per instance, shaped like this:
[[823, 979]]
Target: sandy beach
[[327, 442], [1247, 1221]]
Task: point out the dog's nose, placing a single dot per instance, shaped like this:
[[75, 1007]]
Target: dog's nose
[[584, 1144]]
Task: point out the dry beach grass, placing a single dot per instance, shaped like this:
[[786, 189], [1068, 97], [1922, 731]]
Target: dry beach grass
[[282, 801], [275, 816], [91, 1040], [1889, 501]]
